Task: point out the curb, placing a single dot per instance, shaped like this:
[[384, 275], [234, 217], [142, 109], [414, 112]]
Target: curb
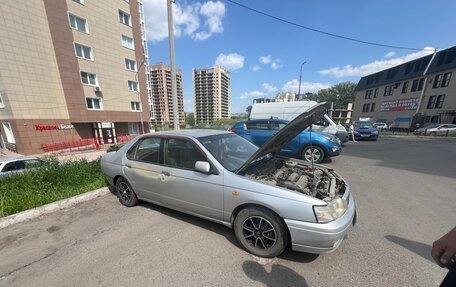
[[51, 207]]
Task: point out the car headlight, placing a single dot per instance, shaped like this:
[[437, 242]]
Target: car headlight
[[375, 132], [330, 212], [355, 132]]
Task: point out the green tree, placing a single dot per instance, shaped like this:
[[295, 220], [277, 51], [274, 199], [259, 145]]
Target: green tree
[[248, 110], [190, 119], [340, 94]]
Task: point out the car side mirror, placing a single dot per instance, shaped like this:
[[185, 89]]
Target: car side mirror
[[202, 166]]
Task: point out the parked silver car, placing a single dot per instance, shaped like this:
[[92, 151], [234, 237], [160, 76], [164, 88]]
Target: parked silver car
[[269, 200], [10, 166]]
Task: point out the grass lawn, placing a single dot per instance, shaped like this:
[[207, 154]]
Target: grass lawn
[[47, 184]]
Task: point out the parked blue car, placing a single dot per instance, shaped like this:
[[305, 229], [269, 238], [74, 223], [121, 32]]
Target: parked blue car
[[365, 131], [261, 130]]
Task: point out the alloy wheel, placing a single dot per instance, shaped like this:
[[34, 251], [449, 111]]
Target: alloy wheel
[[125, 192], [259, 232], [312, 153]]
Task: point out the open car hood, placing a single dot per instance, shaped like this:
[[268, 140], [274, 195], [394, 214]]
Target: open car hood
[[289, 132]]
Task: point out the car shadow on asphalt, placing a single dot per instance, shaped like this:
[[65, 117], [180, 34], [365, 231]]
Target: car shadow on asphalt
[[278, 276], [416, 247], [228, 233]]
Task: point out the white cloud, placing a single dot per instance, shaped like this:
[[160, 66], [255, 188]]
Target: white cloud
[[293, 86], [255, 68], [276, 65], [187, 19], [253, 94], [373, 67], [265, 59], [389, 55], [232, 61], [269, 88]]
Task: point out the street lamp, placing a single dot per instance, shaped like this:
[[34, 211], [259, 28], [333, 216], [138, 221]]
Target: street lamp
[[300, 75]]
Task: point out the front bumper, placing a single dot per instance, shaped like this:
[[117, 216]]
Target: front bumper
[[322, 237], [343, 136], [366, 136]]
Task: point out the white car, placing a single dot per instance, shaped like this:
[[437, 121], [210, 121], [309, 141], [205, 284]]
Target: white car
[[17, 165], [441, 130], [380, 126]]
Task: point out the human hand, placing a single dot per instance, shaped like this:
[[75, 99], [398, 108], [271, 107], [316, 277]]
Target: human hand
[[444, 249]]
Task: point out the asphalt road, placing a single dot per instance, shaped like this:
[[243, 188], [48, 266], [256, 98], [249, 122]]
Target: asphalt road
[[404, 187]]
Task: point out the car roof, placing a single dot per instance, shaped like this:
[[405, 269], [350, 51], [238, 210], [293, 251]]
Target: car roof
[[16, 158], [189, 133], [262, 120]]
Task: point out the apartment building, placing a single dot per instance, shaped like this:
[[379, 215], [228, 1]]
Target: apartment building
[[420, 91], [71, 70], [212, 94], [285, 97], [162, 96]]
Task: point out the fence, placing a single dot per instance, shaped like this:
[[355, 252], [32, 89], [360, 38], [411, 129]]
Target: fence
[[95, 143]]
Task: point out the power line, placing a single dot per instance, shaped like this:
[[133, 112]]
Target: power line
[[322, 32]]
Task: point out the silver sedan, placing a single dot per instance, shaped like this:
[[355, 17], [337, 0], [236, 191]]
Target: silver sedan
[[269, 200]]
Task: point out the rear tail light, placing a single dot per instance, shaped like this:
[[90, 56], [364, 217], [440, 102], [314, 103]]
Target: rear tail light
[[232, 130]]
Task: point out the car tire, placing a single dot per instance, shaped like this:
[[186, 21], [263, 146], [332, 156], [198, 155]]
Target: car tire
[[432, 134], [125, 193], [319, 154], [261, 232]]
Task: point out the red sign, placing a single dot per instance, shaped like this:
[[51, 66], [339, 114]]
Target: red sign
[[400, 105], [52, 127]]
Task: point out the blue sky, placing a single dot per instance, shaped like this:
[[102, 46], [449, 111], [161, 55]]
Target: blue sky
[[264, 56]]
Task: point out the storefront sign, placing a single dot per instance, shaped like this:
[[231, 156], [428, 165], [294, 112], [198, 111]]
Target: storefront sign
[[53, 127], [400, 105], [106, 125]]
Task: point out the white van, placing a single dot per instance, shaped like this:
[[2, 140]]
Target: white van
[[290, 110]]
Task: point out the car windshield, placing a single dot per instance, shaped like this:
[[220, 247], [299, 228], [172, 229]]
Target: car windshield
[[230, 150], [431, 126], [363, 125]]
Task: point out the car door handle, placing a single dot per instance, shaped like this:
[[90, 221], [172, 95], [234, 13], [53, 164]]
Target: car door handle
[[128, 166], [166, 173]]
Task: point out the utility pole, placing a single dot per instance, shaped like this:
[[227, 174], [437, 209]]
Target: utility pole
[[173, 65], [300, 76]]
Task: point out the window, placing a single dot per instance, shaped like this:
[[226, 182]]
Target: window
[[376, 93], [257, 125], [437, 81], [133, 86], [127, 42], [146, 150], [431, 102], [446, 80], [78, 23], [136, 106], [94, 104], [83, 51], [277, 125], [439, 103], [9, 132], [420, 84], [181, 154], [133, 129], [435, 119], [89, 79], [368, 94], [427, 119], [373, 107], [417, 85], [367, 107], [2, 105], [405, 87], [388, 90], [130, 65], [124, 18]]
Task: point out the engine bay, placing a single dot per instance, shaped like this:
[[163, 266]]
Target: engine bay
[[318, 182]]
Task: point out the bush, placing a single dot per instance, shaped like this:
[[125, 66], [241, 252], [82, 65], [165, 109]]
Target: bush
[[52, 182]]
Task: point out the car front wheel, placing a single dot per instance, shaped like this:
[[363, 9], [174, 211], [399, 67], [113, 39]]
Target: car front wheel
[[260, 232], [316, 153], [125, 193]]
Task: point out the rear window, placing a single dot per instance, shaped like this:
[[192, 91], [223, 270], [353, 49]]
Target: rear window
[[257, 126]]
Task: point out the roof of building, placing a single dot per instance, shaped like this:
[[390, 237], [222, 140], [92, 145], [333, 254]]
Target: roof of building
[[444, 60]]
